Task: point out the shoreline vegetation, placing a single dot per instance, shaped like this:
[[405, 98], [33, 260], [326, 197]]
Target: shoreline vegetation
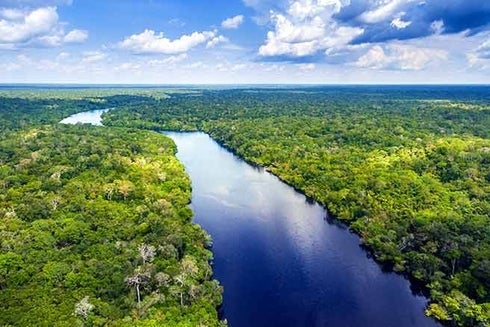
[[408, 169]]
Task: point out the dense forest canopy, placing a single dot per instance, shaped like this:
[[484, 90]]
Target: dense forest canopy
[[407, 167], [95, 228]]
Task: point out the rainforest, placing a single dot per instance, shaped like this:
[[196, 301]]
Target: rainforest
[[96, 228], [95, 222]]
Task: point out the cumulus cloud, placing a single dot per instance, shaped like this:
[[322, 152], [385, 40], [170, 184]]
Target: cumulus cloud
[[384, 20], [216, 40], [400, 57], [150, 42], [36, 27], [76, 36], [17, 26], [375, 58], [233, 22], [306, 28]]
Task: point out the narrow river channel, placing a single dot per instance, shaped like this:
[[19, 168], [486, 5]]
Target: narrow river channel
[[281, 260]]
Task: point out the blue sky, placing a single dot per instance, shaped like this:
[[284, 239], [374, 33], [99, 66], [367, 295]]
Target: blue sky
[[245, 41]]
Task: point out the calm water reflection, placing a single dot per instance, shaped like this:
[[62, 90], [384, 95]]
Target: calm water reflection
[[88, 117], [280, 261]]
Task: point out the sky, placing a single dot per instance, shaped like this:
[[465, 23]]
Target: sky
[[245, 41]]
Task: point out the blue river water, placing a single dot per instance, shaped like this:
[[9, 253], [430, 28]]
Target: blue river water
[[280, 258]]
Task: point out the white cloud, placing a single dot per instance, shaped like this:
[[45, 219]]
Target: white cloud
[[63, 56], [384, 10], [23, 59], [93, 56], [304, 9], [33, 28], [437, 26], [232, 67], [47, 65], [306, 67], [76, 36], [172, 60], [17, 26], [400, 57], [150, 42], [483, 49], [375, 58], [128, 66], [239, 67], [272, 67], [176, 22], [53, 40], [11, 14], [412, 58], [196, 65], [216, 40], [233, 22], [480, 57], [339, 38], [289, 32], [399, 23], [9, 67], [306, 28]]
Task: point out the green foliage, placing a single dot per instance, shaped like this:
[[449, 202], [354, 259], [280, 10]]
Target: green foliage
[[26, 108], [408, 171], [76, 205]]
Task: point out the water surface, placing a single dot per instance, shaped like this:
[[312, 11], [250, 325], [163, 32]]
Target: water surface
[[88, 117], [281, 261]]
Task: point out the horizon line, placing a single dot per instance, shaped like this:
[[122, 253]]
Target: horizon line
[[3, 84]]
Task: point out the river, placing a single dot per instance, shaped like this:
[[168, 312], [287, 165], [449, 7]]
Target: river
[[281, 259], [87, 117]]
